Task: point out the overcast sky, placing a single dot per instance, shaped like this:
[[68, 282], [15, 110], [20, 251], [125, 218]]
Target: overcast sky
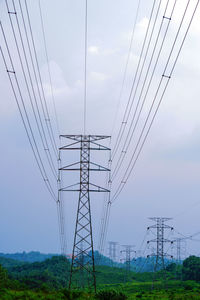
[[165, 181]]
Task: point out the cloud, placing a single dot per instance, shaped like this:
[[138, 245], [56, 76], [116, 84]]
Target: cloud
[[93, 50], [60, 87], [170, 148], [98, 77], [143, 23]]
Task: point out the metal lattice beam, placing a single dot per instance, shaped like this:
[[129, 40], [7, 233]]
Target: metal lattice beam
[[83, 252], [160, 241]]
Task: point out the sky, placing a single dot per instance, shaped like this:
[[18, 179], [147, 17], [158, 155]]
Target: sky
[[165, 180]]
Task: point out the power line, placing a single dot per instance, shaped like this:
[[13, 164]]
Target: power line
[[85, 68], [126, 66], [60, 211], [104, 228], [127, 109], [38, 123], [60, 202], [121, 131], [131, 166], [106, 209], [143, 241], [48, 66], [142, 265], [130, 134], [186, 210], [25, 119], [47, 119]]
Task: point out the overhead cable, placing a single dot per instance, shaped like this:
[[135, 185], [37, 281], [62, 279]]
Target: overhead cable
[[23, 114], [127, 109], [167, 78], [126, 66], [46, 111], [48, 66], [132, 128], [36, 113]]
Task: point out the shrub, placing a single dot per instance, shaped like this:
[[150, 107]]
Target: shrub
[[110, 295], [70, 295], [189, 285]]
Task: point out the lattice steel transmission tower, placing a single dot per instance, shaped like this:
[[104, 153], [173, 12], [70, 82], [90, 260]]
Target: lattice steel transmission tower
[[112, 251], [180, 248], [128, 250], [83, 252], [178, 256], [160, 241]]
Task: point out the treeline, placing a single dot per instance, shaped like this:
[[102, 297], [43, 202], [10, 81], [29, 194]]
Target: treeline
[[137, 265], [54, 272], [52, 276], [32, 256]]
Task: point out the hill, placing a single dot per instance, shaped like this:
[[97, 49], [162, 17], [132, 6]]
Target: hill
[[49, 280], [32, 256]]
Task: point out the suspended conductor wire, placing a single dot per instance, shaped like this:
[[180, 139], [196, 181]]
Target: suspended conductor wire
[[143, 263], [105, 203], [105, 223], [48, 66], [187, 237], [127, 109], [131, 166], [126, 66], [41, 131], [141, 246], [137, 81], [60, 210], [121, 131], [185, 211], [85, 67], [130, 134], [26, 124], [47, 118]]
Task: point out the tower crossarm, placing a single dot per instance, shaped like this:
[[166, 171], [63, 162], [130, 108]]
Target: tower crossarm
[[83, 250]]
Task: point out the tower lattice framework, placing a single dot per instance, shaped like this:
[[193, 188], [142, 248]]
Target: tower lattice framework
[[128, 251], [83, 250], [160, 241], [112, 251]]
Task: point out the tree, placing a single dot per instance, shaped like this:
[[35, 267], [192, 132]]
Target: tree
[[4, 281], [191, 268]]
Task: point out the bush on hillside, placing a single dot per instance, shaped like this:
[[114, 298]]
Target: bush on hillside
[[110, 295]]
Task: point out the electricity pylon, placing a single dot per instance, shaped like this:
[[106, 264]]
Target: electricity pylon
[[180, 248], [160, 241], [180, 244], [128, 250], [112, 251], [83, 251]]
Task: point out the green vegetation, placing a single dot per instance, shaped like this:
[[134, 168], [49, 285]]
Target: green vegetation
[[48, 280], [33, 256], [8, 262], [191, 268]]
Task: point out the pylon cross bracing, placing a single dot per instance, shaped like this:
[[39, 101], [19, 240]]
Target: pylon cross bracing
[[160, 241], [128, 250], [83, 250], [112, 251]]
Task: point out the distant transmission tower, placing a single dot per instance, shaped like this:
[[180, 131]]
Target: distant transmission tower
[[180, 248], [83, 252], [112, 251], [160, 241], [178, 243], [128, 250]]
